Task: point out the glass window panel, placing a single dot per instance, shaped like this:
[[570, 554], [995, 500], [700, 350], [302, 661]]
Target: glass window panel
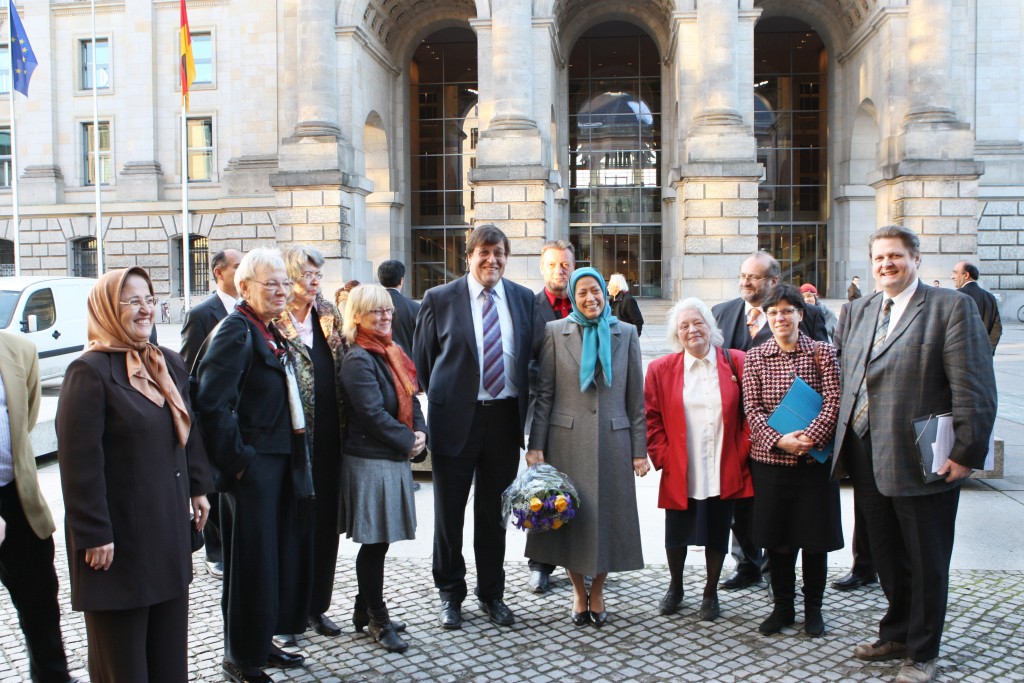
[[429, 245], [615, 56], [650, 212], [579, 59], [202, 54], [429, 172], [427, 66], [429, 100], [455, 208], [199, 133], [460, 63], [102, 64], [650, 61], [89, 157], [5, 157], [5, 69], [431, 138], [650, 278], [428, 208], [650, 243]]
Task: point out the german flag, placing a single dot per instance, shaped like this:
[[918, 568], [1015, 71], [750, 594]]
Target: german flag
[[188, 65]]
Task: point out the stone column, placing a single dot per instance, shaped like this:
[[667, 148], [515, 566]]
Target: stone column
[[512, 61], [719, 25], [318, 92], [929, 57]]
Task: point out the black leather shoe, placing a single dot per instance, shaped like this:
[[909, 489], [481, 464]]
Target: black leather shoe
[[498, 612], [233, 672], [709, 610], [851, 581], [670, 602], [283, 660], [581, 618], [780, 617], [451, 615], [538, 582], [741, 580], [600, 618], [324, 626]]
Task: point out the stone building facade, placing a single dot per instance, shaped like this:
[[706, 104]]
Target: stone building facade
[[666, 138]]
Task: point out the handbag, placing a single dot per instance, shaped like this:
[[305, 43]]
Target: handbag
[[195, 536]]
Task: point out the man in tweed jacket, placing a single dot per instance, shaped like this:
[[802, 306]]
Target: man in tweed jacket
[[925, 353]]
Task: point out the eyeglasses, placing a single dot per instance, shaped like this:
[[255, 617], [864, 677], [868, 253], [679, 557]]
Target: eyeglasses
[[752, 278], [310, 275], [136, 302], [381, 312], [274, 285], [773, 312]]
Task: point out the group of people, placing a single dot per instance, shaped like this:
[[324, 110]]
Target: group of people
[[297, 423]]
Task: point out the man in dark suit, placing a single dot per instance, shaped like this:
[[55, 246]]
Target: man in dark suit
[[26, 527], [743, 325], [853, 291], [472, 350], [557, 262], [912, 351], [199, 322], [391, 275], [965, 277]]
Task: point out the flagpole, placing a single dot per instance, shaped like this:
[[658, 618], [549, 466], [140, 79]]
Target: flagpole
[[98, 178], [15, 218], [185, 242]]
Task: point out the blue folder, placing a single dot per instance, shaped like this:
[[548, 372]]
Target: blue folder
[[798, 408]]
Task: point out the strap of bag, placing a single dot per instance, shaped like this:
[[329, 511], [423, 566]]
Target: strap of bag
[[739, 381]]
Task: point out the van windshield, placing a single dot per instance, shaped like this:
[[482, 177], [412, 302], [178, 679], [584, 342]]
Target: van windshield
[[8, 302]]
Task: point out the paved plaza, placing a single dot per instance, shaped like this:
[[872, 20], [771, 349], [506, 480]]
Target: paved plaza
[[984, 639]]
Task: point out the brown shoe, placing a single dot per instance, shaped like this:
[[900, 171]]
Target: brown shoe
[[880, 650], [916, 672]]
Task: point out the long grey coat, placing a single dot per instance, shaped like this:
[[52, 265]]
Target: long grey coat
[[592, 437]]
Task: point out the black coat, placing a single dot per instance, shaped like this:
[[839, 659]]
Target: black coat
[[988, 308], [371, 404], [403, 324], [199, 322], [126, 481], [242, 399], [626, 309], [732, 321]]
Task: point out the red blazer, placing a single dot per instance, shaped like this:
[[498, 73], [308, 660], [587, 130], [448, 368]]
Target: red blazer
[[666, 429]]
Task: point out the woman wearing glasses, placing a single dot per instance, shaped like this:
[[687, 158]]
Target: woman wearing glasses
[[133, 469], [385, 430], [796, 508], [312, 326], [253, 421]]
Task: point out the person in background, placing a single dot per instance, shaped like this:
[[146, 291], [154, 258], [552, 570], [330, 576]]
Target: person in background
[[199, 322], [134, 475], [965, 277], [341, 294], [810, 294], [698, 437], [623, 305], [796, 509], [385, 431], [391, 275], [853, 291], [312, 327], [588, 423], [26, 526]]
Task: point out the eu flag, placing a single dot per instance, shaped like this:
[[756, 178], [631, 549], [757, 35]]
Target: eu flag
[[23, 60]]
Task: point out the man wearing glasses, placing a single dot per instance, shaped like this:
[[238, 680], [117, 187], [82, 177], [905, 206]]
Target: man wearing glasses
[[744, 326]]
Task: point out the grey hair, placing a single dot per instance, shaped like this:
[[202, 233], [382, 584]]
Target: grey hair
[[297, 256], [560, 245], [254, 261], [695, 304], [620, 281]]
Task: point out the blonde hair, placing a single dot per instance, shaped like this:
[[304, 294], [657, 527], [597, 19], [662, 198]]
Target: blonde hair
[[361, 300]]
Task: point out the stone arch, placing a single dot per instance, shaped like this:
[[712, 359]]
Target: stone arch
[[825, 21], [575, 17], [863, 154], [376, 153]]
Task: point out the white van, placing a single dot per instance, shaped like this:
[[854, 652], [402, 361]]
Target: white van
[[51, 311]]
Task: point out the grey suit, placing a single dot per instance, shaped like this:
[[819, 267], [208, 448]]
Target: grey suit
[[935, 360]]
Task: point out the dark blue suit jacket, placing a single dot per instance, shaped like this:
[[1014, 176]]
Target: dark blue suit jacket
[[448, 366]]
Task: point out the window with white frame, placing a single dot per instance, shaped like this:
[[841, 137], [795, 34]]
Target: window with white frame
[[200, 148], [202, 54], [89, 154], [102, 63], [5, 156], [5, 69]]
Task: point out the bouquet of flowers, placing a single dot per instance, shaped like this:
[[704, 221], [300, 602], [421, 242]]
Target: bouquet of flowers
[[540, 499]]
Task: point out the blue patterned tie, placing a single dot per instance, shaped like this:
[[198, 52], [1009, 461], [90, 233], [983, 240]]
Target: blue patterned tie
[[494, 355], [860, 408]]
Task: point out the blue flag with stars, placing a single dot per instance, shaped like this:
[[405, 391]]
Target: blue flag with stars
[[23, 60]]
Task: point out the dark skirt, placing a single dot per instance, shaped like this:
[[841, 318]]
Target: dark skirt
[[703, 522], [796, 508]]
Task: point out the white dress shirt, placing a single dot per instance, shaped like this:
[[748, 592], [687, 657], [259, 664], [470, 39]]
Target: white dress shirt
[[899, 305], [508, 339], [226, 299], [705, 433], [305, 328], [761, 321]]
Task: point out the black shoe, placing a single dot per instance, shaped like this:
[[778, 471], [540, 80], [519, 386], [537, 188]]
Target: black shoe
[[233, 672], [780, 616], [851, 581], [283, 660], [709, 610], [670, 602], [814, 623], [383, 632], [581, 618], [538, 582], [741, 579], [451, 615], [498, 612], [324, 626], [360, 618]]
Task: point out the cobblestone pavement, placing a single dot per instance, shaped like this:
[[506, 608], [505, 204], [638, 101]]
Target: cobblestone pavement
[[984, 639]]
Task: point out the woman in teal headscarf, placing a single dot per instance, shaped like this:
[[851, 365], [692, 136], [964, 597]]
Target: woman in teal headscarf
[[589, 423]]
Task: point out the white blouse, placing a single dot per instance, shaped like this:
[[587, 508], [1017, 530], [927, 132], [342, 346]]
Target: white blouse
[[702, 403]]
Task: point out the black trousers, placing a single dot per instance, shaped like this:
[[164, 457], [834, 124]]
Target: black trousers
[[144, 645], [862, 564], [267, 561], [749, 557], [211, 532], [26, 570], [325, 542], [911, 540], [491, 459]]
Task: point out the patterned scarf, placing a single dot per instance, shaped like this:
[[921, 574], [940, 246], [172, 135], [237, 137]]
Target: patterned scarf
[[403, 371], [270, 334]]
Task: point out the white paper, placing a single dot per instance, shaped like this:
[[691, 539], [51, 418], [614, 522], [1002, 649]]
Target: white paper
[[943, 445]]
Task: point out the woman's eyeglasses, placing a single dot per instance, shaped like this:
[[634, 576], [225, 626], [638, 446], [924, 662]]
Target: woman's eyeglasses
[[136, 302]]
